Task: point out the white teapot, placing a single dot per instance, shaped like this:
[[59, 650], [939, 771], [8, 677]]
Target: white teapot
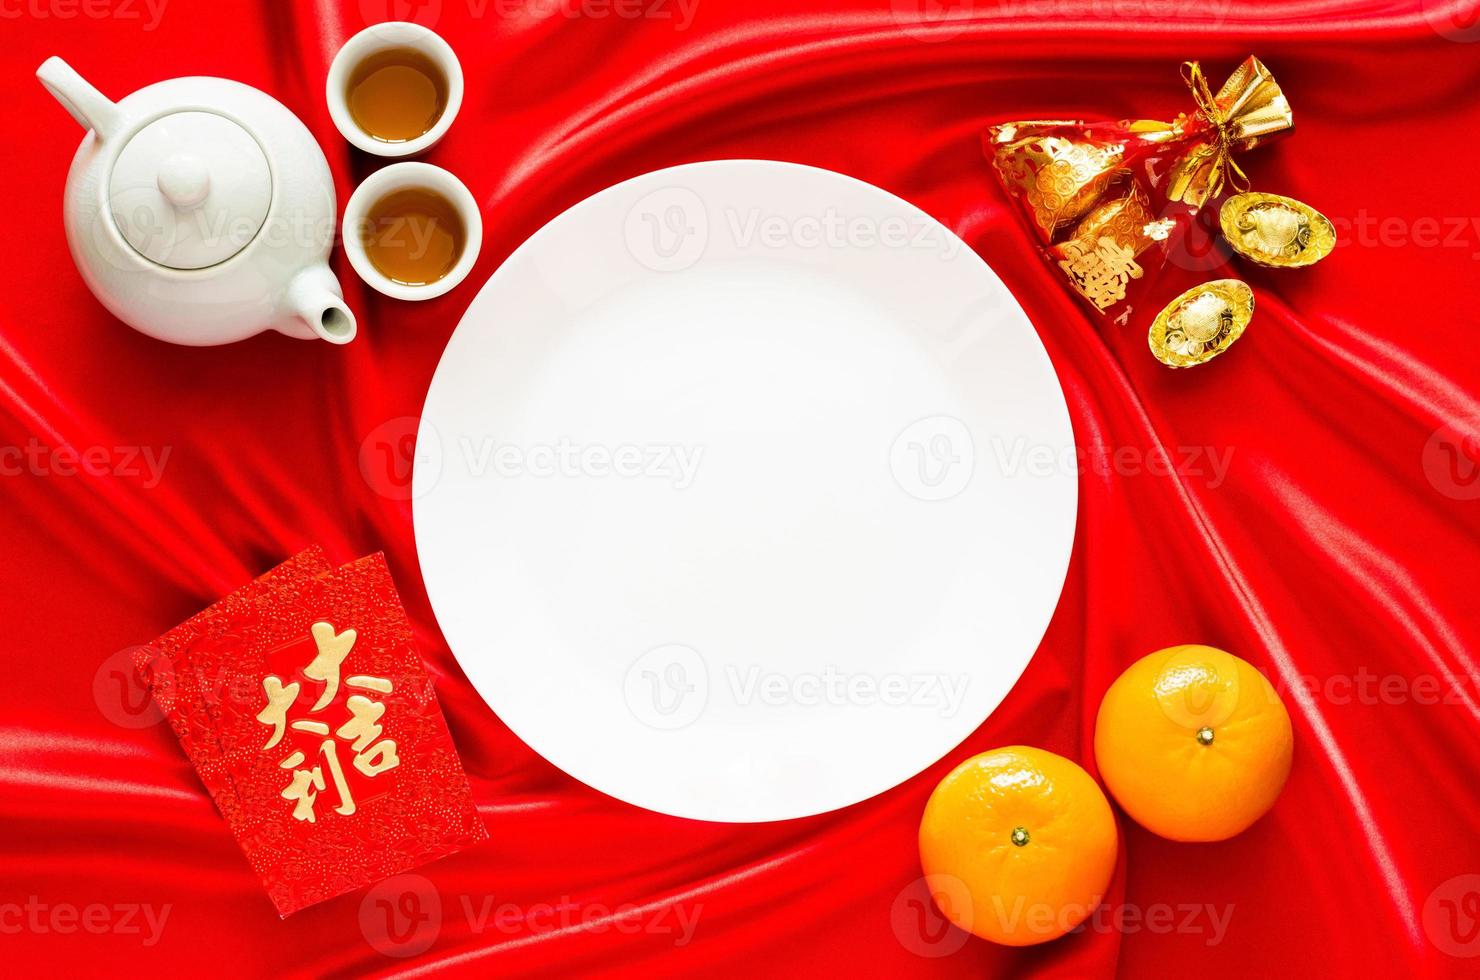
[[201, 211]]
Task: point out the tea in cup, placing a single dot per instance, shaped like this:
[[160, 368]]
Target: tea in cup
[[412, 231], [394, 89]]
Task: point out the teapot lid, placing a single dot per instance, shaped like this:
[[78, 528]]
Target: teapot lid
[[190, 190]]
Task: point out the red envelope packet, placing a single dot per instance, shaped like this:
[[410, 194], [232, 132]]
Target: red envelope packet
[[187, 694], [338, 750]]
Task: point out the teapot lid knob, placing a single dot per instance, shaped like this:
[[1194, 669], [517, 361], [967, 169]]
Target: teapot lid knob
[[184, 180]]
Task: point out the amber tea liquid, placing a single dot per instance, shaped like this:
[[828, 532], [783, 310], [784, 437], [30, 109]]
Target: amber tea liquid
[[396, 95], [413, 236]]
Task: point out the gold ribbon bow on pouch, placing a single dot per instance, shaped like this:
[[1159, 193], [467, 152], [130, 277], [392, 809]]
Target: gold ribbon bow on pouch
[[1248, 109]]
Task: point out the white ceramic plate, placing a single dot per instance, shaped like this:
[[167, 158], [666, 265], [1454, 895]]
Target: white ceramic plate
[[744, 491]]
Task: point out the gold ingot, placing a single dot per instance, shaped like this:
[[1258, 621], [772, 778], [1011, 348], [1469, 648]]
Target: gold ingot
[[1201, 323], [1276, 231]]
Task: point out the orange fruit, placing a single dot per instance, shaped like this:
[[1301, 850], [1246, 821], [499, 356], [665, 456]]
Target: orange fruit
[[1194, 743], [1018, 845]]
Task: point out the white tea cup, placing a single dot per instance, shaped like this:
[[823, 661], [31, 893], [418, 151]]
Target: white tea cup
[[374, 40], [410, 176]]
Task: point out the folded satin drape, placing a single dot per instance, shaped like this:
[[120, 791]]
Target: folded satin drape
[[1308, 501]]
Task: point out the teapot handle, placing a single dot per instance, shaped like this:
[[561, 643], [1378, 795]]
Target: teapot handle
[[87, 105]]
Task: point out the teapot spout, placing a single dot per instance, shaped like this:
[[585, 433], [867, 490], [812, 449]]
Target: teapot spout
[[88, 106], [315, 307]]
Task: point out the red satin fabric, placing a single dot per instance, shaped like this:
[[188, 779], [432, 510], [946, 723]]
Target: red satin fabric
[[1337, 551]]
